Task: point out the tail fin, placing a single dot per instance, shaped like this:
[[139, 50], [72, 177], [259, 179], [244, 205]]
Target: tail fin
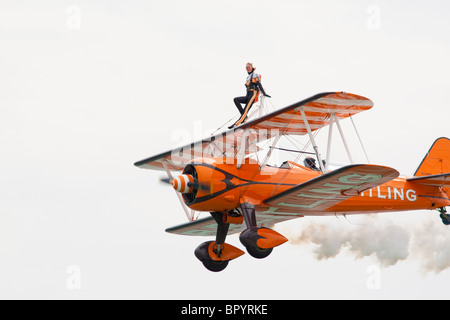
[[437, 160]]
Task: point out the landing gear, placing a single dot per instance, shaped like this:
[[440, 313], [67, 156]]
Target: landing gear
[[209, 253], [258, 253], [215, 266], [444, 216], [215, 255], [259, 242]]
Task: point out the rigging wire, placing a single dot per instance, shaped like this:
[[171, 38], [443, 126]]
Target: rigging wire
[[256, 172], [261, 105], [297, 158], [223, 125]]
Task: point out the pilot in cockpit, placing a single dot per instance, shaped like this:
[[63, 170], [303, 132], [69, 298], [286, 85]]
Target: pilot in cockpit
[[310, 163]]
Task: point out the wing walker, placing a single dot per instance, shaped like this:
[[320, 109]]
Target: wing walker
[[221, 176]]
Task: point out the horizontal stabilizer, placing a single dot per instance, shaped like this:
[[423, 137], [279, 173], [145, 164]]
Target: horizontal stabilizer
[[437, 180], [327, 190]]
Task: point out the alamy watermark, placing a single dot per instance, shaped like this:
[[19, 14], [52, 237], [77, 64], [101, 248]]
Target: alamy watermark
[[73, 281], [226, 148], [373, 21], [374, 279], [73, 21]]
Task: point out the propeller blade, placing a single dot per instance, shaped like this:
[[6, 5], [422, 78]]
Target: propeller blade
[[203, 186], [165, 180]]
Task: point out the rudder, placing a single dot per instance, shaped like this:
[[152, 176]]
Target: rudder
[[437, 160]]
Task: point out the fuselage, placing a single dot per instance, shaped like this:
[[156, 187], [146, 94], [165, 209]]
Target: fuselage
[[230, 186], [395, 195]]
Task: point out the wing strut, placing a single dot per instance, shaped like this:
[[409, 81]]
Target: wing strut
[[360, 141], [330, 135], [343, 138], [316, 149], [334, 118], [275, 141]]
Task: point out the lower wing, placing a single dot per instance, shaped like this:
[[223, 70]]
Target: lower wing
[[316, 194], [325, 191]]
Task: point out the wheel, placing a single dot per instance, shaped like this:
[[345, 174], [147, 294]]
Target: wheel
[[260, 242], [215, 266], [445, 218], [258, 253], [206, 253]]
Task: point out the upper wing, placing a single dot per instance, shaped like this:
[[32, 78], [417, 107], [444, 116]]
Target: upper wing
[[437, 180], [243, 139], [318, 110], [226, 144], [327, 190]]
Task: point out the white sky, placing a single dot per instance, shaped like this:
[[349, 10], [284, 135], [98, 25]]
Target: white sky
[[88, 88]]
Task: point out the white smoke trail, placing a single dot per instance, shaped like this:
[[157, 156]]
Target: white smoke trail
[[377, 236], [430, 245]]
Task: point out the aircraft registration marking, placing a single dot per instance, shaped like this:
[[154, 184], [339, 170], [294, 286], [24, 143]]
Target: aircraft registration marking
[[327, 193]]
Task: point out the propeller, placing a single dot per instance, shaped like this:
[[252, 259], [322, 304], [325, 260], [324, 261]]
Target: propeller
[[165, 180], [185, 183]]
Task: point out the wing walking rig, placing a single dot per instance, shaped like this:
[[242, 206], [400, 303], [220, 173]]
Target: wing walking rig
[[245, 195]]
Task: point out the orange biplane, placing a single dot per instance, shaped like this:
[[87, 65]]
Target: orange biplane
[[219, 176]]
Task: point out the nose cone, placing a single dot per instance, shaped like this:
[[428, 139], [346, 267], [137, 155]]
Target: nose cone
[[183, 183]]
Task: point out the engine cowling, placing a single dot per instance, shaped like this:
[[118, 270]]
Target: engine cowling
[[206, 187]]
